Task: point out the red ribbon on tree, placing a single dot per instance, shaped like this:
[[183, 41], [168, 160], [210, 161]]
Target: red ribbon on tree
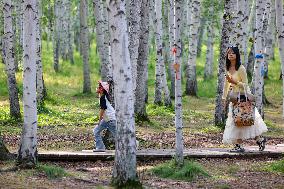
[[174, 50]]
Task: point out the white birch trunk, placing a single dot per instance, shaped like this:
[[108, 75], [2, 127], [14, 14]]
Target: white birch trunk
[[171, 39], [259, 49], [270, 34], [178, 91], [8, 56], [158, 30], [142, 62], [64, 34], [208, 70], [57, 34], [125, 153], [280, 35], [225, 39], [39, 73], [100, 37], [134, 33], [107, 40], [241, 27], [85, 45], [191, 80], [27, 154]]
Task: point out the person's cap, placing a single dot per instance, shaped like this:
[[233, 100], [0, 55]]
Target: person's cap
[[105, 85]]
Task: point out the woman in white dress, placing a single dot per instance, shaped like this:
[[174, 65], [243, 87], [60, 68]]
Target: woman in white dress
[[236, 80]]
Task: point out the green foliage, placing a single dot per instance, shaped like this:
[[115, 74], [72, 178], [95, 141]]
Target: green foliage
[[277, 166], [189, 171], [51, 171], [130, 184]]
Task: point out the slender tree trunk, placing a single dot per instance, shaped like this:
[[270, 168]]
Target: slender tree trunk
[[142, 63], [208, 71], [259, 62], [241, 27], [100, 38], [219, 109], [250, 33], [56, 36], [27, 155], [280, 33], [125, 154], [85, 45], [191, 80], [134, 33], [8, 55], [178, 93], [159, 49], [200, 34], [171, 39], [40, 88]]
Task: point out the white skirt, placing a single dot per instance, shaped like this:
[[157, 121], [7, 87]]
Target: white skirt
[[232, 133]]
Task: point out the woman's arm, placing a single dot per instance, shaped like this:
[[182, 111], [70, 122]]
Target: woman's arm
[[243, 75], [225, 89]]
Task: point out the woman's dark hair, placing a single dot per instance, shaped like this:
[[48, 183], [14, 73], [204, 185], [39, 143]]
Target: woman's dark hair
[[238, 57]]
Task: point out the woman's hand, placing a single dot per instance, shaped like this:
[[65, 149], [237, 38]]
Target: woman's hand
[[230, 80]]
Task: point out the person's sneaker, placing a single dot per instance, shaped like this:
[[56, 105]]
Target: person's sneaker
[[99, 150], [237, 148], [261, 143]]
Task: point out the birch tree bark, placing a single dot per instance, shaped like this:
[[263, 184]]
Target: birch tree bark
[[125, 154], [241, 27], [85, 45], [27, 154], [280, 35], [159, 55], [100, 38], [40, 88], [134, 33], [171, 39], [208, 71], [57, 34], [191, 81], [8, 56], [259, 62], [142, 62], [270, 34], [178, 93], [225, 39]]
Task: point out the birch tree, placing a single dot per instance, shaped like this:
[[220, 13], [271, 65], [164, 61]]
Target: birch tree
[[27, 155], [100, 38], [259, 62], [41, 91], [85, 45], [161, 80], [191, 81], [125, 154], [227, 24], [8, 55], [178, 93], [171, 40], [208, 70], [241, 25], [280, 35], [57, 33], [134, 33], [142, 62]]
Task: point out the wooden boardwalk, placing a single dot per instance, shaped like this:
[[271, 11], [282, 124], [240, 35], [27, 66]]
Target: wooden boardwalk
[[152, 154]]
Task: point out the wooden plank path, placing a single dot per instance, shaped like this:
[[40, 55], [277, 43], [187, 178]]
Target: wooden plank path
[[274, 151]]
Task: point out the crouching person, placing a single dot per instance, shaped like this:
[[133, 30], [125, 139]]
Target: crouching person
[[107, 118]]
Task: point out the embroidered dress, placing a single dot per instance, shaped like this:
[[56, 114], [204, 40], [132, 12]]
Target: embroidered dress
[[232, 132]]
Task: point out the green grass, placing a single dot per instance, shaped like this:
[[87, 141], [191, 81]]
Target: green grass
[[51, 171], [188, 172], [277, 166]]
